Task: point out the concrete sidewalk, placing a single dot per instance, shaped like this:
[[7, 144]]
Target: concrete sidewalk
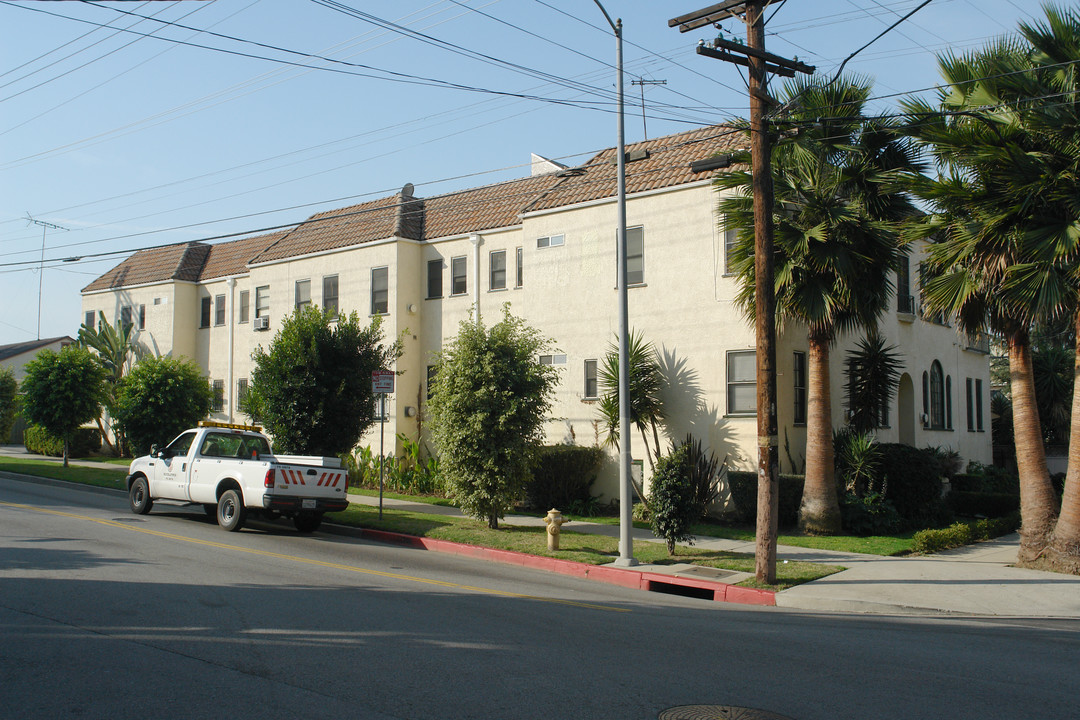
[[973, 580]]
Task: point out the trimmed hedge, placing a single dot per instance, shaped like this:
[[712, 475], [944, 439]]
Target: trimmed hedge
[[563, 477], [85, 442], [960, 534], [744, 496], [913, 485], [991, 480], [988, 504]]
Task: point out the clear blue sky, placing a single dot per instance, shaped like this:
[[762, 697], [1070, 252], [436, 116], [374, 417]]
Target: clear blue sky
[[129, 141]]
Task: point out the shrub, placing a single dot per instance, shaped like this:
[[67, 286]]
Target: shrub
[[705, 472], [160, 398], [857, 460], [913, 479], [84, 442], [959, 534], [871, 514], [672, 503], [986, 478], [988, 504], [563, 477], [744, 496]]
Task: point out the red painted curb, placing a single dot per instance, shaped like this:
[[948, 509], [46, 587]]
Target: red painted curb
[[624, 577]]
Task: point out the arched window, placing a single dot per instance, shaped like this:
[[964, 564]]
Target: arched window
[[937, 396], [926, 398]]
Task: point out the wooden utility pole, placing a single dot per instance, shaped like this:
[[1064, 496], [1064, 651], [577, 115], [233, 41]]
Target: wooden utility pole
[[760, 63]]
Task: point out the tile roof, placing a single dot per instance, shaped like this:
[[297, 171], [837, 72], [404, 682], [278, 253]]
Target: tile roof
[[10, 351], [172, 262], [345, 227], [231, 258], [492, 206], [667, 164]]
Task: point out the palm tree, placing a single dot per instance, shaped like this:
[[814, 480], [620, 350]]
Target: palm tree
[[1006, 227], [837, 211], [646, 399], [116, 350]]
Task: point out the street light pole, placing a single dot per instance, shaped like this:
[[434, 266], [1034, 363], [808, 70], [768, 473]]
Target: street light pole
[[626, 495]]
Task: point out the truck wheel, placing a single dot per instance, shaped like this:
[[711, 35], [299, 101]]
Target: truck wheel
[[230, 511], [308, 523], [139, 497]]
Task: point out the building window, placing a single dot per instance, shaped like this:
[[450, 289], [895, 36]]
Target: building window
[[142, 317], [905, 301], [330, 295], [241, 394], [517, 276], [219, 396], [799, 381], [592, 389], [125, 317], [380, 291], [731, 236], [978, 404], [458, 276], [971, 405], [635, 256], [219, 309], [550, 241], [948, 402], [204, 314], [497, 270], [88, 319], [937, 396], [245, 305], [303, 293], [741, 382], [434, 278], [262, 301], [553, 359], [432, 372]]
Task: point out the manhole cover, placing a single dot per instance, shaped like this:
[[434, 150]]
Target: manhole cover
[[718, 712], [707, 572]]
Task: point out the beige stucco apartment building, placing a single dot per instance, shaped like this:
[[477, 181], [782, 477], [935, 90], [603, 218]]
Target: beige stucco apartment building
[[545, 244]]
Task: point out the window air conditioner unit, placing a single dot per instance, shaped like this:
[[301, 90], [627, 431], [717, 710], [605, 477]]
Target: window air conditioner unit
[[261, 323]]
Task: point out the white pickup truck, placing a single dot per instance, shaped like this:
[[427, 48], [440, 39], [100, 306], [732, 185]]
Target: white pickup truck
[[231, 472]]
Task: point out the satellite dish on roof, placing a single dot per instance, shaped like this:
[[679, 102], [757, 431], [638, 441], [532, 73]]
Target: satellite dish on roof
[[407, 191]]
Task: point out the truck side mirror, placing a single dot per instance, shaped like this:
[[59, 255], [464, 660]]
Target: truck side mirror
[[154, 450]]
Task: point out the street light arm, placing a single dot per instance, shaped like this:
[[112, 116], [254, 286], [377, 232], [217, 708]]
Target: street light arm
[[606, 16]]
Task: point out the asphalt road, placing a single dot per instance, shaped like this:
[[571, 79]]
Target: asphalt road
[[104, 614]]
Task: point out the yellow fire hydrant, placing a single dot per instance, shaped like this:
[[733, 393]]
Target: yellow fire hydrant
[[554, 521]]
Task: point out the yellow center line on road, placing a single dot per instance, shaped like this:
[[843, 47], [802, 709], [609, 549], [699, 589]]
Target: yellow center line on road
[[308, 561]]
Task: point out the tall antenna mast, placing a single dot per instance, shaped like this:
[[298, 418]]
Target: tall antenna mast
[[45, 226]]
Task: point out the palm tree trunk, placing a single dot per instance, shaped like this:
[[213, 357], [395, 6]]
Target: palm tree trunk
[[1063, 552], [105, 436], [819, 513], [1038, 504]]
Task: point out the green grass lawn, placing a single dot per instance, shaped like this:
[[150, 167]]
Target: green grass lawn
[[111, 476], [578, 547]]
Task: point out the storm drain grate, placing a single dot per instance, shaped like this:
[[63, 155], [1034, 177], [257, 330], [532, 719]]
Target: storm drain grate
[[718, 712]]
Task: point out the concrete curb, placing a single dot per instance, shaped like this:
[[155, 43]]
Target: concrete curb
[[624, 577]]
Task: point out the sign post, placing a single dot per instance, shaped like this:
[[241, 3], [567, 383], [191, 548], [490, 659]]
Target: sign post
[[382, 384]]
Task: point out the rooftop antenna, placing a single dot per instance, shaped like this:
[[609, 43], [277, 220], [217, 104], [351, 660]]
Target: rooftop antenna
[[45, 226], [643, 83]]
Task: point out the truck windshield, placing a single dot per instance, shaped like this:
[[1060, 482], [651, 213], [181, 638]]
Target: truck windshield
[[180, 445]]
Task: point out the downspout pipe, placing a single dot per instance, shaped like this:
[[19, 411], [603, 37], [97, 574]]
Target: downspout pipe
[[231, 390], [476, 239]]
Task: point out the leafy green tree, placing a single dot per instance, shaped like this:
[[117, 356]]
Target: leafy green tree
[[673, 505], [873, 375], [311, 388], [1007, 248], [9, 393], [62, 390], [160, 398], [117, 350], [490, 401], [839, 205], [646, 395]]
